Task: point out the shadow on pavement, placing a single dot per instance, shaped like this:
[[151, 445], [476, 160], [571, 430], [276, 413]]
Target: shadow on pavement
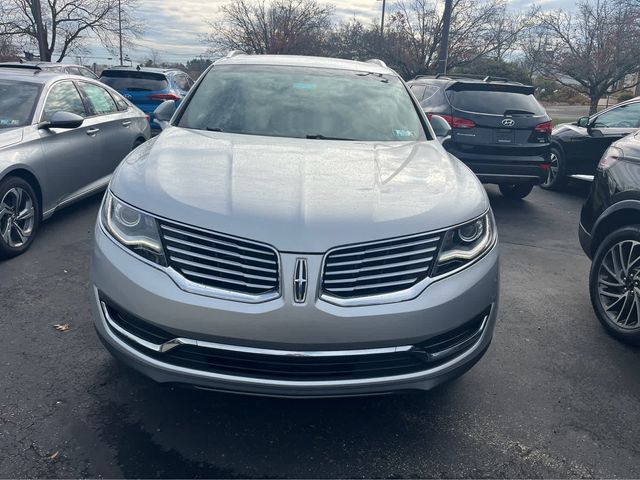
[[164, 431]]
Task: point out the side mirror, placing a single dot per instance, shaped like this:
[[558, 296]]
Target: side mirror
[[165, 111], [440, 126], [583, 122], [62, 119]]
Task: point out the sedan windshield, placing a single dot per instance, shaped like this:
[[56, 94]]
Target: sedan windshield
[[17, 102], [302, 102]]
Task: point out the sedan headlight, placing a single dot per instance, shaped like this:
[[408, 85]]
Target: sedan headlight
[[466, 243], [132, 228]]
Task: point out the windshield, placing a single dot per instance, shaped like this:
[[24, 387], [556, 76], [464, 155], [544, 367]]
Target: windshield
[[17, 102], [495, 102], [134, 81], [303, 102]]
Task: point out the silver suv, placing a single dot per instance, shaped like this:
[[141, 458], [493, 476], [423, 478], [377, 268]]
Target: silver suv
[[296, 230]]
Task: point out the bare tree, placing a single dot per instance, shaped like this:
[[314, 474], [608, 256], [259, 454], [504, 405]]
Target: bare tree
[[592, 49], [275, 27], [68, 24], [8, 50], [484, 28]]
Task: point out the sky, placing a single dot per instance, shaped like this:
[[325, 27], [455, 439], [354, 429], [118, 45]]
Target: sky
[[174, 27]]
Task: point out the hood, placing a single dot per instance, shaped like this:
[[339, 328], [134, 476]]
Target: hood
[[299, 195], [10, 136]]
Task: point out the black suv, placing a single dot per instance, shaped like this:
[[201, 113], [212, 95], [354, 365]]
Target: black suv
[[577, 147], [498, 127], [610, 235]]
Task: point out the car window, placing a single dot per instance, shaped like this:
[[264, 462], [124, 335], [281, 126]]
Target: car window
[[99, 98], [625, 116], [120, 101], [134, 81], [182, 82], [493, 102], [63, 97], [418, 90], [17, 102], [303, 102], [83, 72], [429, 93]]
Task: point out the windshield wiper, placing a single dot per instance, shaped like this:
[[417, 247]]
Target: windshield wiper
[[516, 112], [214, 129], [322, 137]]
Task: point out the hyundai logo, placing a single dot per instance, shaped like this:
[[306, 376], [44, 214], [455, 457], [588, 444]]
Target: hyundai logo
[[300, 275], [508, 122]]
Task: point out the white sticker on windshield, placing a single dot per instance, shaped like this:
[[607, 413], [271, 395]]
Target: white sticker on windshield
[[402, 133]]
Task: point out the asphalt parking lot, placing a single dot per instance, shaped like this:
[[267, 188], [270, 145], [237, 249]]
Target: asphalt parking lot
[[554, 396]]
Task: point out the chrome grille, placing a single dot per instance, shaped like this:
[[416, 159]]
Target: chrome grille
[[379, 267], [218, 261]]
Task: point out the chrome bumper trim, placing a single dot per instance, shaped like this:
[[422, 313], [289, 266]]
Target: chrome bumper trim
[[176, 342], [188, 372]]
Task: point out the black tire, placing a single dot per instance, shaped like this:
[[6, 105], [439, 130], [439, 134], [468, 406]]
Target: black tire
[[557, 176], [627, 328], [28, 198], [517, 191]]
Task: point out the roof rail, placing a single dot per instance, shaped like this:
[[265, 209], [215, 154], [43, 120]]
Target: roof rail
[[377, 61], [484, 78], [234, 53]]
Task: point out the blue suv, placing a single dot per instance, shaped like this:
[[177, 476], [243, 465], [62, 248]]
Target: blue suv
[[147, 87]]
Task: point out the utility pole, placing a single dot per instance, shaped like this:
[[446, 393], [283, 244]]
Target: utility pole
[[384, 5], [36, 10], [120, 28], [444, 39]]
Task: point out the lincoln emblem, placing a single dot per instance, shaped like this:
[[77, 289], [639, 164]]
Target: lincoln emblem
[[300, 275]]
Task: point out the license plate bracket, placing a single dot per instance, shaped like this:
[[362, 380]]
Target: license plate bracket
[[505, 136]]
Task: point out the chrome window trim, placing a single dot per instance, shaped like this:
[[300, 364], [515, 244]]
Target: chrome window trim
[[440, 369], [407, 293]]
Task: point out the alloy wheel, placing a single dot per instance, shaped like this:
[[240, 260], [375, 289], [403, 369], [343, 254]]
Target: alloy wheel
[[619, 284], [17, 217], [553, 170]]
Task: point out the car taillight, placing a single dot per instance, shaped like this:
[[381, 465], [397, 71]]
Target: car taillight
[[455, 122], [164, 96], [545, 127], [610, 157]]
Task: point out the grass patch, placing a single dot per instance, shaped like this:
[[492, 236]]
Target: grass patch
[[558, 121]]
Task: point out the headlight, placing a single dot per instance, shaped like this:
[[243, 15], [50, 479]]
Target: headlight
[[132, 228], [466, 243]]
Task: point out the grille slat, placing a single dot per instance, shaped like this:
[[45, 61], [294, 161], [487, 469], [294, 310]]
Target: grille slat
[[375, 277], [379, 268], [209, 239], [209, 258], [384, 249], [217, 269], [169, 238], [214, 260], [382, 258], [386, 266]]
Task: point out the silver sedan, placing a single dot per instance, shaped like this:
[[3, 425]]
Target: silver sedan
[[61, 138]]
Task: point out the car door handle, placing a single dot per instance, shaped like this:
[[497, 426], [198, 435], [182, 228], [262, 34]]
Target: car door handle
[[126, 123], [93, 132]]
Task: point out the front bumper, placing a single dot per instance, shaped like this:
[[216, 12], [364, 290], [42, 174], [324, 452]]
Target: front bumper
[[279, 326]]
